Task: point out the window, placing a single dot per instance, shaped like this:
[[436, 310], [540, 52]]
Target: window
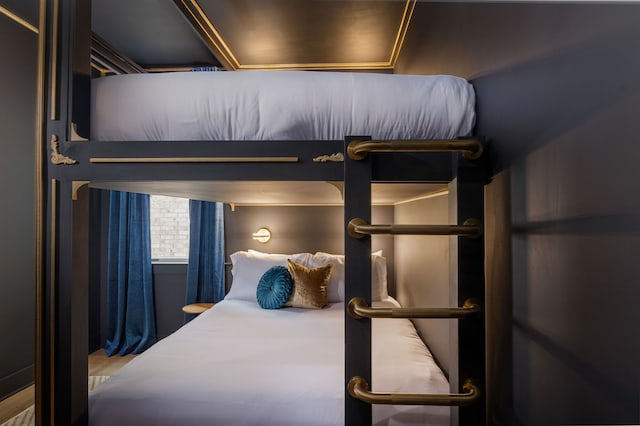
[[169, 229]]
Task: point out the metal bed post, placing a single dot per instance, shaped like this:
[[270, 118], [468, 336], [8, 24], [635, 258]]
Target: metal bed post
[[61, 316], [467, 264]]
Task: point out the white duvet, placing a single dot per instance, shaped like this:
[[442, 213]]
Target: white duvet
[[280, 105], [238, 364]]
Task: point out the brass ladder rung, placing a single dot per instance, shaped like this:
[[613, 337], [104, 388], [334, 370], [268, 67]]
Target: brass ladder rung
[[359, 228], [358, 309], [359, 388], [470, 148]]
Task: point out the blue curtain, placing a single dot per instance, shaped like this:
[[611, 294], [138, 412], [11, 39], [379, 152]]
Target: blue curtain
[[205, 273], [131, 326]]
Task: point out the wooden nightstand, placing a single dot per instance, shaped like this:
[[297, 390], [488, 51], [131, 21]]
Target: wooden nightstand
[[197, 308]]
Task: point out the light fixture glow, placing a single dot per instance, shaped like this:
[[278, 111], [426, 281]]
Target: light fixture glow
[[262, 235]]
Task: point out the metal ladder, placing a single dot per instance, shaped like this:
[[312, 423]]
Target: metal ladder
[[467, 370]]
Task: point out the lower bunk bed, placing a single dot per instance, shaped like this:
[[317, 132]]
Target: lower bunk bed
[[241, 364]]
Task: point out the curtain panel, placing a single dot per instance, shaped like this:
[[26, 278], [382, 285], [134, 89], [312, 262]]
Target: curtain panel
[[205, 273], [131, 326]]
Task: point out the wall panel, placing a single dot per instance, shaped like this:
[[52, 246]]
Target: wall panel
[[18, 50], [558, 96], [422, 270]]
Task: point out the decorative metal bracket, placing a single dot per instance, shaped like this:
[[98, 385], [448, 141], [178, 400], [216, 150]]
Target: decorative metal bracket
[[75, 188], [338, 157], [75, 137], [56, 157]]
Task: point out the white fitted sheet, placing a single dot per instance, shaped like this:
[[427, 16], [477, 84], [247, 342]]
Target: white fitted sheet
[[280, 105], [238, 364]]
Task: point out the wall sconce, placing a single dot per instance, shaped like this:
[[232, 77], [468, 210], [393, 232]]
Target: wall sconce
[[262, 235]]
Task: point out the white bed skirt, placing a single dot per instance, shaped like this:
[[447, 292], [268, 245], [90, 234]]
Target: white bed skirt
[[238, 364], [280, 105]]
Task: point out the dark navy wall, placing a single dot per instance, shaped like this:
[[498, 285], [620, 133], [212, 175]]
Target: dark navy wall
[[302, 229], [169, 286], [19, 52], [294, 229], [558, 98], [423, 270]]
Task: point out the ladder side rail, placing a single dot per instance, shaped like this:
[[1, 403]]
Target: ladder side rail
[[357, 203], [468, 281]]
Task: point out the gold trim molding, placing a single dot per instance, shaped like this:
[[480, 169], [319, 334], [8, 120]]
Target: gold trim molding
[[52, 302], [40, 219], [53, 84], [18, 19], [194, 160]]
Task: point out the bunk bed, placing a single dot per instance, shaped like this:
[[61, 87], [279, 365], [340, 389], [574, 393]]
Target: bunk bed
[[153, 151]]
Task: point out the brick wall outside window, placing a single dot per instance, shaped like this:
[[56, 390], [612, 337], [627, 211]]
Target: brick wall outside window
[[169, 227]]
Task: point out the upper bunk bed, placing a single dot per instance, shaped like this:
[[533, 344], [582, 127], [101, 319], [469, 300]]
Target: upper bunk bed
[[300, 118], [280, 105]]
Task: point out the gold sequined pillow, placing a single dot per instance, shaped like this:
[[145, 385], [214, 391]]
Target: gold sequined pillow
[[309, 286]]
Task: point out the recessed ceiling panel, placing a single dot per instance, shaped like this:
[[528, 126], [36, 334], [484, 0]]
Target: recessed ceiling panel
[[255, 34], [267, 33]]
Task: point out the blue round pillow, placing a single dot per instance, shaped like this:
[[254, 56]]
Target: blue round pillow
[[274, 288]]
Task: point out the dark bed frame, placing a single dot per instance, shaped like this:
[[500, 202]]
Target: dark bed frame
[[62, 306]]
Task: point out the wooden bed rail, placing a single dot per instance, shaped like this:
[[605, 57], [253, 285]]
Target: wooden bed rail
[[359, 388], [359, 228], [358, 309], [470, 148]]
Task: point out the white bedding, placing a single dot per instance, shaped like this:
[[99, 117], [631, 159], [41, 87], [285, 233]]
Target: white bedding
[[280, 105], [238, 364]]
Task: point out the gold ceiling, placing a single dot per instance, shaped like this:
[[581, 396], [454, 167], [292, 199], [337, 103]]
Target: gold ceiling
[[301, 34]]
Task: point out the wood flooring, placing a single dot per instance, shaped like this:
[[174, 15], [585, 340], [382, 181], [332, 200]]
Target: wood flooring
[[99, 365]]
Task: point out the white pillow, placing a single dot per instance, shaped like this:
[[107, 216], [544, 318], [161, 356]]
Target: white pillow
[[378, 276], [248, 268], [301, 258], [335, 286]]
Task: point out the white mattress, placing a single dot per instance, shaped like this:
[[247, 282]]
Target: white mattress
[[280, 105], [238, 364]]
